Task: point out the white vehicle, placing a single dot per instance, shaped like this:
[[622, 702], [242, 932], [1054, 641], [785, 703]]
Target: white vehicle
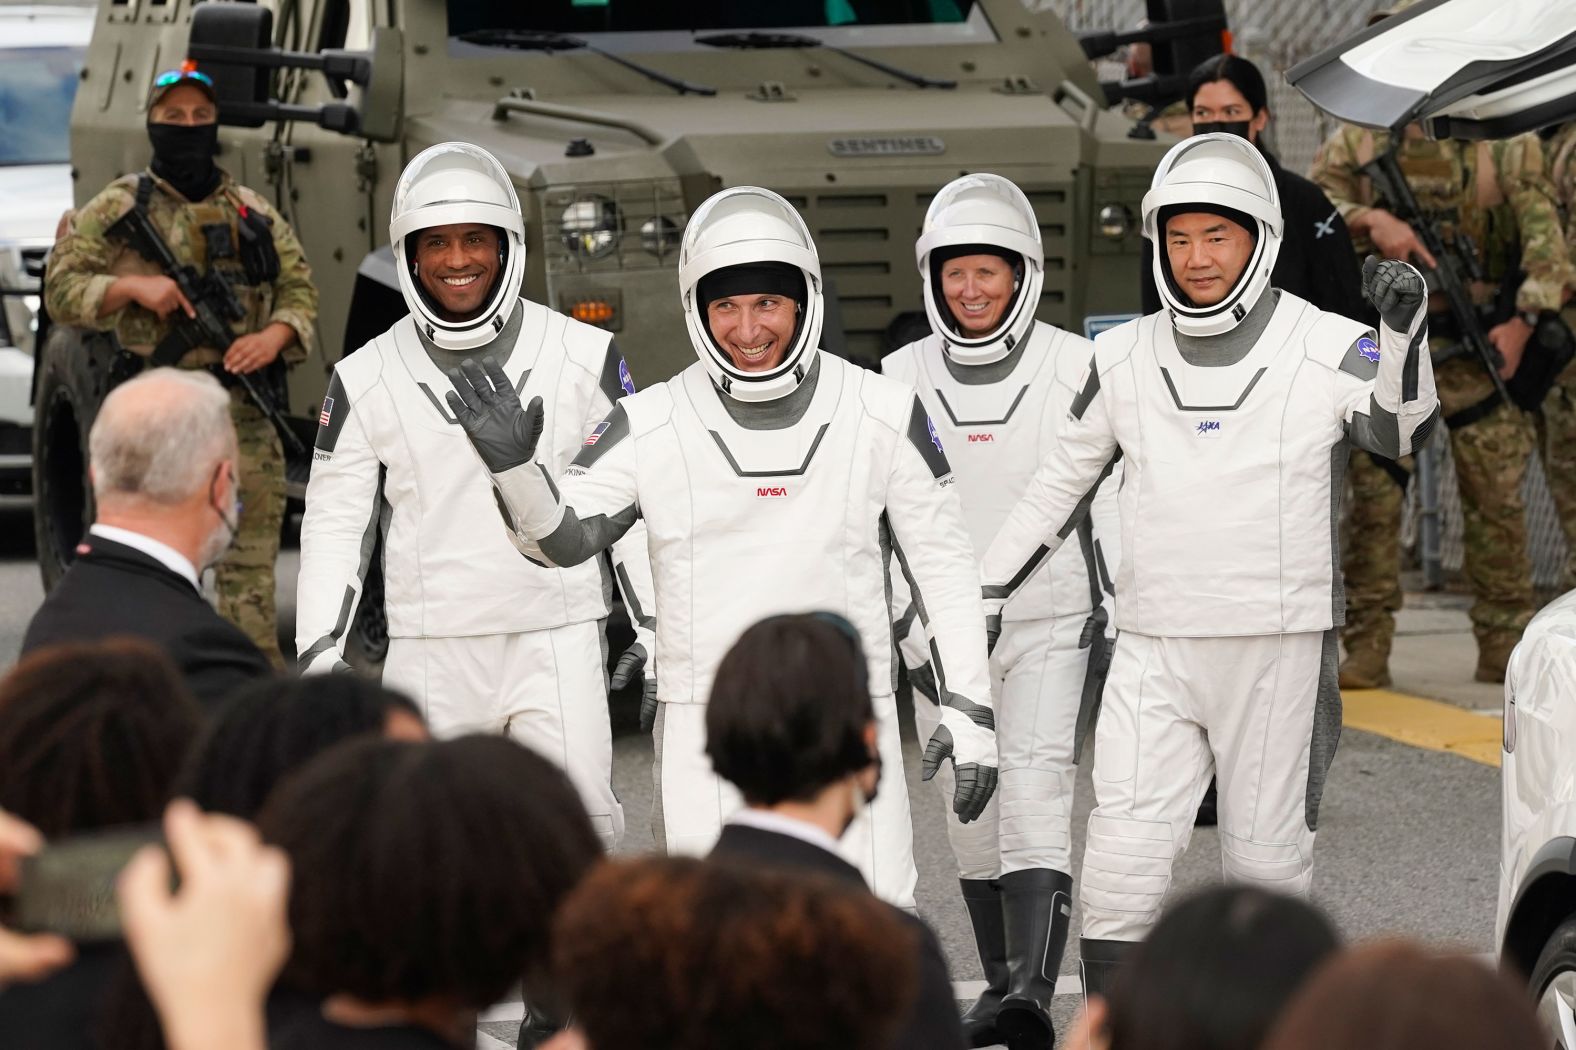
[[41, 53], [1536, 925]]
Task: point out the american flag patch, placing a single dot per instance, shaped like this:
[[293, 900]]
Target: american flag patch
[[328, 410], [596, 435]]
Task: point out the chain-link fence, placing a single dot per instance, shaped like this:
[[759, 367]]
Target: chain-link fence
[[1276, 35]]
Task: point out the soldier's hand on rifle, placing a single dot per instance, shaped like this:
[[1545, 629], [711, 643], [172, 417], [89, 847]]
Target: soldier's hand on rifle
[[155, 292], [257, 350], [1396, 240], [1510, 339]]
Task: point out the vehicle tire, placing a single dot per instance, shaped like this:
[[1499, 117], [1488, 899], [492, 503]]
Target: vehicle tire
[[75, 372], [1553, 984], [368, 644]]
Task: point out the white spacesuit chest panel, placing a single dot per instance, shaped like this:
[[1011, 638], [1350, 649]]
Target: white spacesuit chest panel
[[450, 568], [745, 524], [1227, 511], [995, 435]]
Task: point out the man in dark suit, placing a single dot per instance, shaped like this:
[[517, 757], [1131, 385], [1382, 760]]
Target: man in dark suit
[[790, 724], [162, 456]]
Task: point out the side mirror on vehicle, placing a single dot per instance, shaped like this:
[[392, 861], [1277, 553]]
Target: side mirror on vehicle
[[245, 27], [231, 39]]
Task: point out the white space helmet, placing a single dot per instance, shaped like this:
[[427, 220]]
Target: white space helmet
[[737, 227], [1216, 171], [456, 182], [987, 211]]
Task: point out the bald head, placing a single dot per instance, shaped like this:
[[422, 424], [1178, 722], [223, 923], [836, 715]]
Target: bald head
[[160, 438]]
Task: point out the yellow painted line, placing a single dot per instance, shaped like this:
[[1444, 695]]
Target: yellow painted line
[[1424, 723]]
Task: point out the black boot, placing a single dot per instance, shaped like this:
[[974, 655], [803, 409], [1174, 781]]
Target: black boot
[[1100, 962], [982, 897], [1038, 905]]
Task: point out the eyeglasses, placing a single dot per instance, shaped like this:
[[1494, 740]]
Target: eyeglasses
[[175, 76]]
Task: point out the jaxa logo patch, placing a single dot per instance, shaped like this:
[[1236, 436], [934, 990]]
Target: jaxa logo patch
[[1207, 428], [328, 411], [624, 379], [935, 438], [596, 435], [1368, 350]]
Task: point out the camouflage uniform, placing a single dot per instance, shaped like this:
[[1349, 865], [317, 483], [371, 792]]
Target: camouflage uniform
[[1557, 419], [1499, 194], [85, 263], [1173, 119]]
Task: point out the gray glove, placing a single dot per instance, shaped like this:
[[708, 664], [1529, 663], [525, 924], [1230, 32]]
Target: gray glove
[[973, 782], [632, 665], [488, 408], [1395, 289]]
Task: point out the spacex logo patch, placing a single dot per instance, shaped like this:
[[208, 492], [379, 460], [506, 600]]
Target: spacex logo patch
[[1207, 428], [624, 379], [596, 435], [771, 492], [1368, 350]]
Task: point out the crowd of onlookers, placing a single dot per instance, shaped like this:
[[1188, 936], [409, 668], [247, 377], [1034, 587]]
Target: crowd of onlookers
[[342, 880]]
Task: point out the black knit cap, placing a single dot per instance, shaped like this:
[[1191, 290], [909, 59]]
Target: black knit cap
[[763, 278], [1241, 218], [939, 256]]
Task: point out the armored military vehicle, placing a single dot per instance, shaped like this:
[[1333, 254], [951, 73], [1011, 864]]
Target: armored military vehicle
[[617, 118]]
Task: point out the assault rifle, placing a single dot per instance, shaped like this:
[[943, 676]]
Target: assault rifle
[[1454, 260], [215, 303]]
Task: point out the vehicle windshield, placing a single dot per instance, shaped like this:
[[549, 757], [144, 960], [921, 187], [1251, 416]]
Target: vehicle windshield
[[37, 86], [583, 17]]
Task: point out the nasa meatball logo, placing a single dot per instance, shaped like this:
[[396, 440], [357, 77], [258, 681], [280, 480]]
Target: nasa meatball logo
[[624, 379], [1207, 428], [1368, 350]]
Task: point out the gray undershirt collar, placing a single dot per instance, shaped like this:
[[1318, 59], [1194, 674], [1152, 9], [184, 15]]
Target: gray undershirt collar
[[499, 347], [983, 375], [779, 413], [1227, 348]]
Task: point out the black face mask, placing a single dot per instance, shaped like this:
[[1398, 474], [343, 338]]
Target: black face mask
[[1238, 128], [183, 157]]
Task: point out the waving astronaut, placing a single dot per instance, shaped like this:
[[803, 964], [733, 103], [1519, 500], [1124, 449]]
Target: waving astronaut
[[998, 383], [772, 478], [1232, 410], [485, 640]]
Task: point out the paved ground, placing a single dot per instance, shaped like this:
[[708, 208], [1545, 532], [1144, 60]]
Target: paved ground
[[1408, 836]]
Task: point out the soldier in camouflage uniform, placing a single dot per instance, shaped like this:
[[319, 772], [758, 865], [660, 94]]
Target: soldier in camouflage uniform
[[99, 282], [1498, 194], [1557, 419]]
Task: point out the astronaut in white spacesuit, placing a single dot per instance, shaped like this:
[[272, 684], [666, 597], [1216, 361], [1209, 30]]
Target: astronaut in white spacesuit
[[998, 383], [1232, 410], [483, 639], [772, 477]]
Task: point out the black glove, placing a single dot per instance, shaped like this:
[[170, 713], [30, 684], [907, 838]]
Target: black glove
[[1094, 627], [1395, 289], [630, 666], [992, 632], [973, 783], [488, 408]]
